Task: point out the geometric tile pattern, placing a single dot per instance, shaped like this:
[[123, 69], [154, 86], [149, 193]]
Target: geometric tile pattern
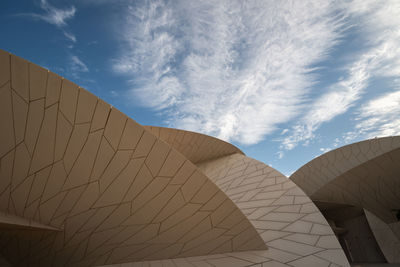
[[99, 188], [364, 174], [289, 223], [194, 146], [286, 219]]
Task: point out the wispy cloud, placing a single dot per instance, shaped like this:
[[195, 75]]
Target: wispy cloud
[[55, 16], [76, 66], [70, 36], [379, 117], [380, 22], [232, 69]]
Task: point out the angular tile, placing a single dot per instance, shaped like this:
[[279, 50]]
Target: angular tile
[[174, 204], [131, 135], [183, 173], [68, 100], [214, 202], [182, 214], [86, 106], [116, 191], [87, 199], [43, 155], [145, 234], [329, 241], [207, 248], [157, 156], [19, 77], [310, 261], [63, 134], [289, 208], [335, 256], [204, 238], [104, 156], [179, 228], [34, 121], [197, 230], [115, 126], [6, 120], [100, 115], [82, 168], [97, 218], [293, 247], [6, 168], [145, 144], [206, 192], [282, 216], [142, 179], [149, 211], [4, 67], [240, 241], [76, 142], [299, 227], [55, 181], [303, 238], [37, 82], [99, 238], [193, 184], [39, 184], [116, 166], [269, 225], [321, 230], [48, 208], [53, 89], [20, 113], [21, 165], [75, 223], [155, 187], [222, 212], [69, 201], [119, 215], [316, 217], [20, 195]]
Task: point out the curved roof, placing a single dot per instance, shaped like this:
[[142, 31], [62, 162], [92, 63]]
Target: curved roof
[[288, 220], [364, 174], [195, 146], [95, 185]]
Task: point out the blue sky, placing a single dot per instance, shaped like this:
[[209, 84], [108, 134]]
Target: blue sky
[[285, 81]]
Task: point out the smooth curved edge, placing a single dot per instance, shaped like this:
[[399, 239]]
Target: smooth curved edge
[[342, 164], [196, 147]]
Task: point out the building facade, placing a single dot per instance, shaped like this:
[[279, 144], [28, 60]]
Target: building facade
[[82, 184]]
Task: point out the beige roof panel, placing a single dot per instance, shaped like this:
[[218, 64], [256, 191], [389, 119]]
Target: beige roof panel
[[195, 146], [70, 161], [363, 174]]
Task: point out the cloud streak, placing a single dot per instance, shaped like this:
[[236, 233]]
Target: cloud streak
[[76, 66], [55, 16], [232, 69], [380, 116], [381, 25]]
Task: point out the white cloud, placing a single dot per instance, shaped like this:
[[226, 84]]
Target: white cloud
[[70, 36], [380, 21], [77, 66], [54, 16], [380, 116], [232, 69]]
